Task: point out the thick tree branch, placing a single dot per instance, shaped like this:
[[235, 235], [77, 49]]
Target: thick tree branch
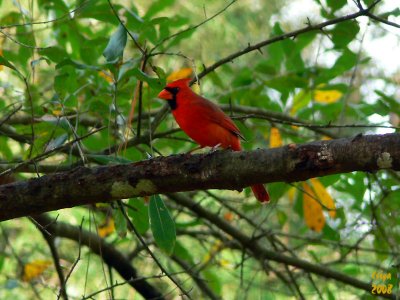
[[218, 170]]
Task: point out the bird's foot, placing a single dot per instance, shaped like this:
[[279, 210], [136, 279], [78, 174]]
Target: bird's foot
[[215, 148]]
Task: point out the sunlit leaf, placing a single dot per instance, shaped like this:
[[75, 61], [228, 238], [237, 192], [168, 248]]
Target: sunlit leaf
[[162, 225], [300, 100]]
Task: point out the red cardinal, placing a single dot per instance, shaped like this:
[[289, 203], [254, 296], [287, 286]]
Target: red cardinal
[[205, 122]]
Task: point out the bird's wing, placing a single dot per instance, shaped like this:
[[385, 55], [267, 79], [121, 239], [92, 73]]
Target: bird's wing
[[215, 115]]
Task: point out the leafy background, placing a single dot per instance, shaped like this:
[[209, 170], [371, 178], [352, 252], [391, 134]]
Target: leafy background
[[91, 89]]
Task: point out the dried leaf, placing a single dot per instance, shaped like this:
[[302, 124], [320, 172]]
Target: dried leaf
[[323, 196], [228, 216], [34, 269], [180, 74], [107, 228], [107, 76], [313, 215]]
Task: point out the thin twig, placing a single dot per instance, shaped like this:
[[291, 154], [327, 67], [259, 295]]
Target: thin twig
[[143, 242], [191, 27], [293, 34]]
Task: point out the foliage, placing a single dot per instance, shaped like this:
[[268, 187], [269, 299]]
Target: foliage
[[78, 85]]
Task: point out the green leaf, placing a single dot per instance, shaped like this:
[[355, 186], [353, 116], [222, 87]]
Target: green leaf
[[6, 63], [336, 4], [116, 44], [213, 280], [157, 6], [120, 222], [99, 10], [351, 269], [2, 258], [183, 253], [343, 33], [390, 102], [57, 142], [139, 215], [77, 65], [55, 54], [36, 62], [153, 82], [162, 225]]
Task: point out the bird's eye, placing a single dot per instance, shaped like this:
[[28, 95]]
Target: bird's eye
[[172, 90]]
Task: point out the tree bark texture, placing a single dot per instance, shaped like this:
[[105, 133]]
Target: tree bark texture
[[216, 170]]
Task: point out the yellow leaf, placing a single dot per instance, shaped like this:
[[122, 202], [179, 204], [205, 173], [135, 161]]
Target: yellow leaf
[[327, 96], [107, 228], [106, 76], [225, 263], [182, 73], [57, 112], [35, 268], [313, 215], [216, 247], [275, 139], [196, 88], [290, 194], [294, 127], [323, 196]]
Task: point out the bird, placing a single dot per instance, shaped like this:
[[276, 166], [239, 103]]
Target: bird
[[205, 123]]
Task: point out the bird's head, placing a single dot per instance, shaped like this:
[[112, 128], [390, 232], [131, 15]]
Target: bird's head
[[173, 89]]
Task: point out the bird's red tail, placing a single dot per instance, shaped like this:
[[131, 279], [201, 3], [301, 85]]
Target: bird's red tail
[[260, 192]]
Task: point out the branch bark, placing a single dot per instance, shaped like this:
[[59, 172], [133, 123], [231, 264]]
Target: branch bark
[[217, 170]]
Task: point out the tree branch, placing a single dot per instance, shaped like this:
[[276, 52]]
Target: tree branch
[[216, 170], [108, 253], [293, 34], [262, 253]]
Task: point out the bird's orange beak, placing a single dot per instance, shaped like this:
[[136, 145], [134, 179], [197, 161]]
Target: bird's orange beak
[[164, 94]]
